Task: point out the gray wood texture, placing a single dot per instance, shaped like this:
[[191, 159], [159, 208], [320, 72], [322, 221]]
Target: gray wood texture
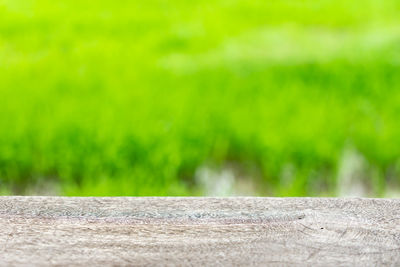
[[199, 231]]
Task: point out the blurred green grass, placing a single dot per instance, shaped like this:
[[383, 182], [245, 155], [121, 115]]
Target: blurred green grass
[[131, 97]]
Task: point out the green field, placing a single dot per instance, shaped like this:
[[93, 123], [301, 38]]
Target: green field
[[132, 97]]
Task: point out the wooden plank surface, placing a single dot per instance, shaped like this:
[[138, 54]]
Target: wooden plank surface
[[199, 231]]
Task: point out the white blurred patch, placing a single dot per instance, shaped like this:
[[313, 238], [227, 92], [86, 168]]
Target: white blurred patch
[[44, 187], [353, 174], [224, 182]]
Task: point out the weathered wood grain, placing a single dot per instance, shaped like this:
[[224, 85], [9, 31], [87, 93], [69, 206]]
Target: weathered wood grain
[[199, 231]]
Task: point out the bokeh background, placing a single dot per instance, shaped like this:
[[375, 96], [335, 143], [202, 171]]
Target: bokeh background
[[182, 97]]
